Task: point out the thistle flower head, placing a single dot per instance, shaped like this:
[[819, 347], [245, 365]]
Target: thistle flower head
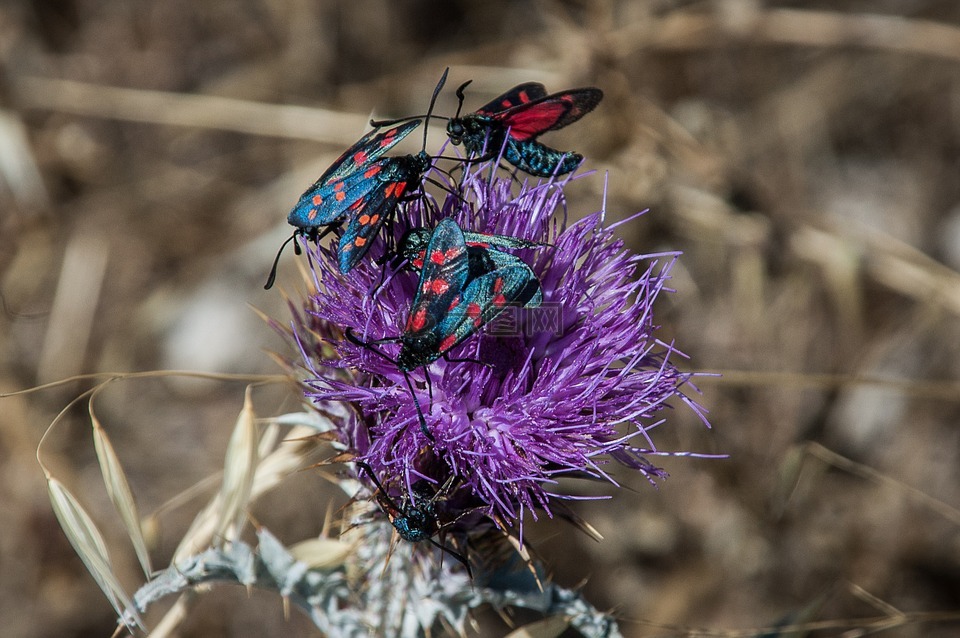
[[540, 393]]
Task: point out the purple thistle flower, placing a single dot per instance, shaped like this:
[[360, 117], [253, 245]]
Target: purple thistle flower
[[541, 393]]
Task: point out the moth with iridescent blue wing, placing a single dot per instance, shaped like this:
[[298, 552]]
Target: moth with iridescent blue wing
[[362, 187], [451, 303]]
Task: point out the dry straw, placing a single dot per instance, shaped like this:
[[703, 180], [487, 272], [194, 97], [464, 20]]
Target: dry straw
[[118, 489], [239, 468], [88, 543]]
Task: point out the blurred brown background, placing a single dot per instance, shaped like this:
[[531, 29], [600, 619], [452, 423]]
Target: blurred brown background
[[804, 156]]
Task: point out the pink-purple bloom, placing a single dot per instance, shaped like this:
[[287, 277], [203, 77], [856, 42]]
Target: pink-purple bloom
[[539, 394]]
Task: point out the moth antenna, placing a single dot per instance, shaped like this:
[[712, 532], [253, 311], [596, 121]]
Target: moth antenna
[[426, 122], [433, 101], [382, 123], [272, 277], [460, 97], [457, 555]]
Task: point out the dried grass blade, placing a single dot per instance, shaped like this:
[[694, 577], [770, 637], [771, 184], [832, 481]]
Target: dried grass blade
[[239, 469], [268, 440], [118, 489], [527, 559], [90, 546]]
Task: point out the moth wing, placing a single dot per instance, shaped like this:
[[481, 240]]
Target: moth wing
[[500, 241], [528, 120], [367, 215], [330, 202], [368, 148], [442, 278], [483, 300], [348, 179], [520, 94]]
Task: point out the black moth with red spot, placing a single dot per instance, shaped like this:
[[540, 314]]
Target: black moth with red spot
[[514, 120], [452, 303], [362, 188], [415, 521]]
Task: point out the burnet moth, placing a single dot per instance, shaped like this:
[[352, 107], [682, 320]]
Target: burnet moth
[[415, 519], [362, 188], [514, 120]]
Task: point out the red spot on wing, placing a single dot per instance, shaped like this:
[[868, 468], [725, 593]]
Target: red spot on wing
[[364, 219], [360, 241], [360, 157], [535, 120], [317, 200], [436, 286], [373, 170], [340, 196], [394, 189], [498, 285], [447, 343], [312, 214], [499, 300], [338, 186], [439, 257], [417, 320], [509, 101], [475, 312]]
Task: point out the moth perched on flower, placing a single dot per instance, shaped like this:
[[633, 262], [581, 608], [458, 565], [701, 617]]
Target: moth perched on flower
[[362, 188], [514, 121], [555, 390]]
